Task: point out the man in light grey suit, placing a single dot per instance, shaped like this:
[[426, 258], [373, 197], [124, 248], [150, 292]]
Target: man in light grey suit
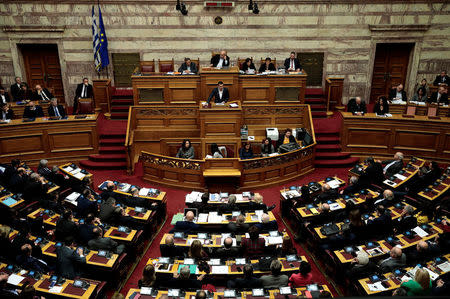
[[102, 243], [396, 260], [188, 67]]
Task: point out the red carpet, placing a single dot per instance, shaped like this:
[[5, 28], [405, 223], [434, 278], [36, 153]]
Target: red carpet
[[176, 204]]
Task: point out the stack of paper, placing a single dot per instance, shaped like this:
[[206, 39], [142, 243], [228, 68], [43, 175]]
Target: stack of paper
[[445, 267], [334, 184], [376, 287], [15, 279], [202, 217], [72, 198], [68, 169], [335, 206], [219, 270], [420, 232], [275, 240], [143, 192], [401, 177], [79, 175], [213, 217]]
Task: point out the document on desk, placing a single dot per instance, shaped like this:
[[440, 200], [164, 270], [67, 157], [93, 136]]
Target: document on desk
[[72, 196], [334, 184], [202, 217], [68, 169], [376, 287], [79, 175], [144, 191], [433, 275], [445, 267], [15, 279], [234, 105], [275, 240], [420, 232], [401, 177], [335, 206], [219, 270], [213, 217], [56, 289]]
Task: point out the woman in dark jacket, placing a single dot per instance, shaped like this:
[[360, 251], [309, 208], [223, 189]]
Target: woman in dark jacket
[[248, 66], [382, 106], [246, 151]]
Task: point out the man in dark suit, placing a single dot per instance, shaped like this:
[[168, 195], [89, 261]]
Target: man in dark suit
[[396, 260], [373, 174], [353, 187], [230, 206], [357, 106], [4, 96], [238, 227], [442, 79], [440, 96], [407, 220], [109, 192], [15, 89], [33, 111], [66, 228], [397, 94], [84, 91], [17, 180], [56, 110], [25, 93], [6, 112], [227, 250], [382, 224], [187, 225], [29, 262], [35, 189], [267, 224], [249, 281], [184, 281], [68, 261], [392, 167], [188, 67], [42, 94], [109, 212], [102, 243], [168, 249], [327, 194], [292, 64], [220, 94], [86, 230], [220, 60], [267, 66]]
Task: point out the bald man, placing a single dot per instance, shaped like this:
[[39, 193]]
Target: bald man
[[393, 166], [396, 259], [424, 252], [187, 225], [220, 60], [109, 192], [387, 200], [327, 194], [227, 250], [168, 249], [267, 224]]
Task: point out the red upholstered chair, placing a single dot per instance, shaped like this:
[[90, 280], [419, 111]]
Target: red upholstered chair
[[166, 65], [147, 66], [230, 152], [411, 110], [85, 106]]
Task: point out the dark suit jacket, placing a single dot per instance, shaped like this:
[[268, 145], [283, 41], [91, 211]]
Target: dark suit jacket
[[102, 244], [216, 58], [377, 109], [215, 94], [108, 213], [23, 95], [79, 89], [34, 191], [185, 226], [67, 262], [373, 174], [183, 67], [170, 251], [14, 89], [393, 94], [65, 229], [85, 232], [394, 168], [262, 68], [381, 225], [440, 79], [245, 67], [443, 99], [7, 97], [406, 223], [184, 284], [353, 107], [38, 97], [269, 226], [9, 114], [61, 110], [227, 253], [28, 113], [245, 283], [287, 63]]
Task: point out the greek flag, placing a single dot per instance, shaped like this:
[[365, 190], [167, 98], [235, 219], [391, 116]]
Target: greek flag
[[95, 42]]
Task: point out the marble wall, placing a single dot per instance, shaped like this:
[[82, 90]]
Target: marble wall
[[346, 31]]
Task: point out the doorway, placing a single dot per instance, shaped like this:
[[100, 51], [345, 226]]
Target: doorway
[[41, 62], [390, 67]]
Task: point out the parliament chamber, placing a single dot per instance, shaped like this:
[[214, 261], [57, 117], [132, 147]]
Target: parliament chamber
[[303, 151]]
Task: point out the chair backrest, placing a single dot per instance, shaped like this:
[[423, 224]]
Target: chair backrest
[[147, 66], [197, 62], [166, 65], [85, 106], [432, 111], [274, 61], [411, 110]]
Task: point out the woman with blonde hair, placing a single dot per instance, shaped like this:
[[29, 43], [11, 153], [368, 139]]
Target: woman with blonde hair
[[287, 247], [420, 286], [148, 277], [196, 251]]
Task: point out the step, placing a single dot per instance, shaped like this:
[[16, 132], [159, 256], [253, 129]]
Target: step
[[102, 165], [122, 101], [331, 155], [328, 147], [328, 139], [315, 100], [120, 108], [318, 107], [119, 115], [313, 91], [122, 92], [112, 141], [318, 114], [336, 163], [110, 149], [108, 158]]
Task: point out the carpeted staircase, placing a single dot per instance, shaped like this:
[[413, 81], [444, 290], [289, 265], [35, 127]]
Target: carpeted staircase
[[112, 153], [316, 99], [121, 100]]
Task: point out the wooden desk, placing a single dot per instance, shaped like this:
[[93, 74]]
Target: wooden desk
[[420, 109], [55, 140], [219, 121], [4, 199], [68, 166], [18, 109], [250, 218], [437, 189], [409, 171], [370, 135]]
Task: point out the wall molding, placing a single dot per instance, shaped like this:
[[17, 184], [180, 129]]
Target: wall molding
[[33, 28]]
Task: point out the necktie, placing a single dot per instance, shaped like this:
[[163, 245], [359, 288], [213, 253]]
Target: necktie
[[56, 111]]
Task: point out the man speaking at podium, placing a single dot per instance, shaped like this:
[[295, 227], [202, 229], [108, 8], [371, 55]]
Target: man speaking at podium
[[220, 94]]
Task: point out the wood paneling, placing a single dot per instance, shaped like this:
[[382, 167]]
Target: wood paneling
[[58, 140], [102, 94], [420, 136], [420, 109]]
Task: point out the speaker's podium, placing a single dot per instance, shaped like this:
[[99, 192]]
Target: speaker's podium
[[221, 124]]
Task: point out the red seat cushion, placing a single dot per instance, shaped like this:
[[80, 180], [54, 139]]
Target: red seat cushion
[[164, 68], [148, 68]]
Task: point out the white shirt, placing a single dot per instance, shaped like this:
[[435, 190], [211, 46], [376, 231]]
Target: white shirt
[[3, 98], [3, 115], [55, 108], [189, 68], [220, 93], [292, 64], [389, 165], [399, 95], [83, 91], [438, 96], [219, 65]]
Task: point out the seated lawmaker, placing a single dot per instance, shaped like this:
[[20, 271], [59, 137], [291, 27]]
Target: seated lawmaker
[[168, 249], [357, 106], [220, 94], [182, 280], [220, 60], [267, 66], [186, 225], [440, 96], [275, 279], [253, 246], [248, 67], [392, 167], [56, 110], [249, 281], [442, 79], [267, 147], [215, 152], [381, 107], [42, 94], [15, 89], [24, 93], [227, 250], [186, 150], [246, 151], [286, 138], [188, 67], [420, 95], [69, 261], [4, 96], [267, 224], [398, 94], [33, 111], [104, 243], [6, 112], [292, 64]]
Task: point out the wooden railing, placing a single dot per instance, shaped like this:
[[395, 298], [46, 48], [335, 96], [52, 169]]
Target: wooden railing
[[102, 95], [333, 92]]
